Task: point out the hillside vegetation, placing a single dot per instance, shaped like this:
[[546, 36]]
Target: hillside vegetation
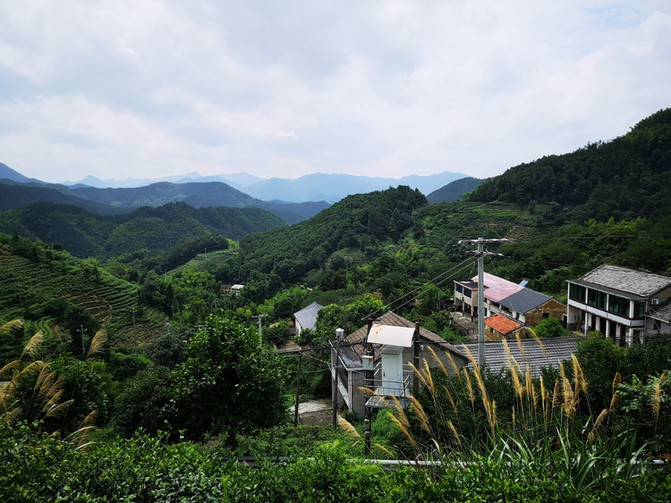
[[58, 295], [625, 178], [86, 234], [180, 360], [454, 191]]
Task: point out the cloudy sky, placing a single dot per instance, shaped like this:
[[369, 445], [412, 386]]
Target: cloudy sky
[[150, 88]]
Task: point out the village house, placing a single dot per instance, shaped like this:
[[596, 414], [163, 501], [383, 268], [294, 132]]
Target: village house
[[306, 317], [658, 320], [514, 301], [378, 356], [625, 305], [499, 327]]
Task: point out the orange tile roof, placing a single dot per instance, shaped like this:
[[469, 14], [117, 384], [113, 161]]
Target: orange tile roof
[[502, 324]]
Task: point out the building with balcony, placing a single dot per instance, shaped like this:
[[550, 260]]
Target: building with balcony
[[617, 301], [379, 357]]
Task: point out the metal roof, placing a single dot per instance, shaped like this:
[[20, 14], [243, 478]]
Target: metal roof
[[534, 353], [391, 335], [357, 339], [623, 279], [525, 300], [497, 288], [308, 315]]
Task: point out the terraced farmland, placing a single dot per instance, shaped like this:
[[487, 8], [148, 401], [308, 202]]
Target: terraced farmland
[[109, 300]]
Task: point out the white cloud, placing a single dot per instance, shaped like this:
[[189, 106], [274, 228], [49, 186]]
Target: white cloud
[[148, 88]]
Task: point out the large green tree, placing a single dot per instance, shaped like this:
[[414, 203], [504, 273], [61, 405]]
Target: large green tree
[[228, 384]]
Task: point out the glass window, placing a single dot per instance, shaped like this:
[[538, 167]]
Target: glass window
[[596, 298], [577, 292], [618, 305]]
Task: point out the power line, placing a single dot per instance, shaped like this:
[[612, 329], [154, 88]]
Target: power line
[[387, 306]]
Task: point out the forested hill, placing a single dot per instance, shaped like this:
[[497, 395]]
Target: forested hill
[[198, 195], [357, 222], [86, 234], [623, 178], [453, 191]]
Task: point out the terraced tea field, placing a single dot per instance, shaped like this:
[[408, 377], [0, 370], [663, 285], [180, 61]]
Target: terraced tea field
[[110, 300]]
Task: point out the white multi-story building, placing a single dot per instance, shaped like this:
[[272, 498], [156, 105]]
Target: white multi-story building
[[616, 301]]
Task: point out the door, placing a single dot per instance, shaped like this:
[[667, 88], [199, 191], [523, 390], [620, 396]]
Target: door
[[392, 372]]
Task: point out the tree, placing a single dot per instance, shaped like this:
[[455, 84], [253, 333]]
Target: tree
[[227, 384], [550, 327], [147, 402]]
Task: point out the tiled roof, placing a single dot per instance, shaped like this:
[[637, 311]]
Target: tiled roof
[[626, 280], [308, 315], [535, 353], [502, 324], [661, 312], [525, 300]]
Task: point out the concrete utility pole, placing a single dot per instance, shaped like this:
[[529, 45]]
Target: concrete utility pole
[[133, 311], [298, 388], [260, 318], [82, 331], [480, 254], [340, 333]]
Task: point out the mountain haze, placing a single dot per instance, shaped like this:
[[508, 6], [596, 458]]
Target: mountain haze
[[334, 187], [111, 201]]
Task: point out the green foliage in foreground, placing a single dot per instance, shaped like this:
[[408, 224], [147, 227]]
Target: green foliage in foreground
[[39, 468]]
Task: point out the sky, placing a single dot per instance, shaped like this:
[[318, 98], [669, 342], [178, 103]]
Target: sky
[[156, 88]]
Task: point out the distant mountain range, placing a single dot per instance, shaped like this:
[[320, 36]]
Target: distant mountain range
[[294, 200], [313, 187], [17, 191], [333, 188]]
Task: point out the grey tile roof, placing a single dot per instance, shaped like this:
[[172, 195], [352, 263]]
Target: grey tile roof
[[308, 315], [356, 339], [661, 312], [644, 284], [525, 300], [531, 353]]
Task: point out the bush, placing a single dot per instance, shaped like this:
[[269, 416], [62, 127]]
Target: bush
[[550, 327], [147, 401]]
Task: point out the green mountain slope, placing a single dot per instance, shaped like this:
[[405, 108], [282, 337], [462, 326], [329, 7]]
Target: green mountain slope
[[86, 234], [57, 294], [16, 191], [198, 195], [15, 195], [454, 190], [359, 222], [624, 178]]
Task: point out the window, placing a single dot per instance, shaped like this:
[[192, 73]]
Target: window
[[467, 293], [639, 310], [596, 298], [618, 305], [459, 288], [577, 292]]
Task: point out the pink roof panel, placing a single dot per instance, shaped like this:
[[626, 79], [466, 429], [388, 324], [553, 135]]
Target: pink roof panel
[[497, 289]]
